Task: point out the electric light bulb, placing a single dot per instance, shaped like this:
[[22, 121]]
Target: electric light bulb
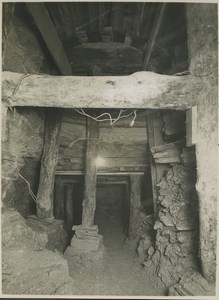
[[100, 161]]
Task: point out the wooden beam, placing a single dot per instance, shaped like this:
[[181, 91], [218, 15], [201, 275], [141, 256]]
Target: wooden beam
[[48, 163], [153, 35], [4, 112], [135, 204], [69, 194], [139, 90], [89, 201], [41, 17], [59, 200]]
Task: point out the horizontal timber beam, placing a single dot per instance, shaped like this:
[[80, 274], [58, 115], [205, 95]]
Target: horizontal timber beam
[[139, 90]]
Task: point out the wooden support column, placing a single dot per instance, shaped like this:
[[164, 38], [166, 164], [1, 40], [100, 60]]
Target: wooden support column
[[89, 201], [69, 193], [44, 24], [202, 31], [48, 163], [4, 111], [135, 204], [59, 210]]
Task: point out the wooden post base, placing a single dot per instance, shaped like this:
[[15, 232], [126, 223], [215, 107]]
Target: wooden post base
[[86, 248]]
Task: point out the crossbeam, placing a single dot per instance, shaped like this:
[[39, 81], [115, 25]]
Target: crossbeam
[[139, 90]]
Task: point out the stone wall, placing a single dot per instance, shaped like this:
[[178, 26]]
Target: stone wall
[[176, 247]]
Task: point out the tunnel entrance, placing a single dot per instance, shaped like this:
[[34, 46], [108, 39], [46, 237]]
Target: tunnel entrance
[[112, 214]]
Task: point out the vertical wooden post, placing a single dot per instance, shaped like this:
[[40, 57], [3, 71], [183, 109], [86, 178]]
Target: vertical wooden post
[[154, 127], [59, 200], [89, 201], [48, 163], [135, 204], [4, 111], [69, 193]]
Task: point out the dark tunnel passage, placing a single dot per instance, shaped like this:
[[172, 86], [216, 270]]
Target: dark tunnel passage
[[112, 214]]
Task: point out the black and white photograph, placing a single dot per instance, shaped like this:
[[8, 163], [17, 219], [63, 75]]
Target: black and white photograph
[[109, 149]]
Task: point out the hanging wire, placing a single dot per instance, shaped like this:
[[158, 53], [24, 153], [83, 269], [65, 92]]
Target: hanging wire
[[75, 141], [111, 119], [29, 188]]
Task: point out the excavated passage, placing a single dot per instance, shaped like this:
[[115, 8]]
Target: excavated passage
[[120, 274]]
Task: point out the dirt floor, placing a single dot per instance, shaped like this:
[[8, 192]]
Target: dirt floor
[[121, 272]]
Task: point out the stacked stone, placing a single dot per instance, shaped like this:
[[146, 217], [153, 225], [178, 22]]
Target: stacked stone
[[86, 249], [176, 246]]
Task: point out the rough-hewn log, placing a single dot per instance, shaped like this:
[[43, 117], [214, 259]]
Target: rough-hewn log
[[48, 163], [139, 90], [203, 53], [44, 23], [89, 201], [135, 204]]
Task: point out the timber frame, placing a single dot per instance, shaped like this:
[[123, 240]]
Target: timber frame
[[146, 90]]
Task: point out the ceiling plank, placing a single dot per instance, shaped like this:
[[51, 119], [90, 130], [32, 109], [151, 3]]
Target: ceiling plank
[[153, 35], [44, 23]]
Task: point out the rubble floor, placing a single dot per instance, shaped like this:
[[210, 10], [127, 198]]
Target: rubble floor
[[121, 272]]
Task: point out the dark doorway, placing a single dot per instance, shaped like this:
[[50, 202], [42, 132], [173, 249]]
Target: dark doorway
[[112, 213]]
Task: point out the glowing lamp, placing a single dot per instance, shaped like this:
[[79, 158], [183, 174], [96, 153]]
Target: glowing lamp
[[99, 161]]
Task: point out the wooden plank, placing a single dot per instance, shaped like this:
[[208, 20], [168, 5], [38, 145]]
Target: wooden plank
[[153, 36], [41, 17], [123, 135], [139, 90], [89, 201], [48, 163], [135, 204], [191, 126]]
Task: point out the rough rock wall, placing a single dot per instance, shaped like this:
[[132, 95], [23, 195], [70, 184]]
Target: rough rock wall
[[176, 246], [203, 54], [23, 51], [28, 267], [21, 152]]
